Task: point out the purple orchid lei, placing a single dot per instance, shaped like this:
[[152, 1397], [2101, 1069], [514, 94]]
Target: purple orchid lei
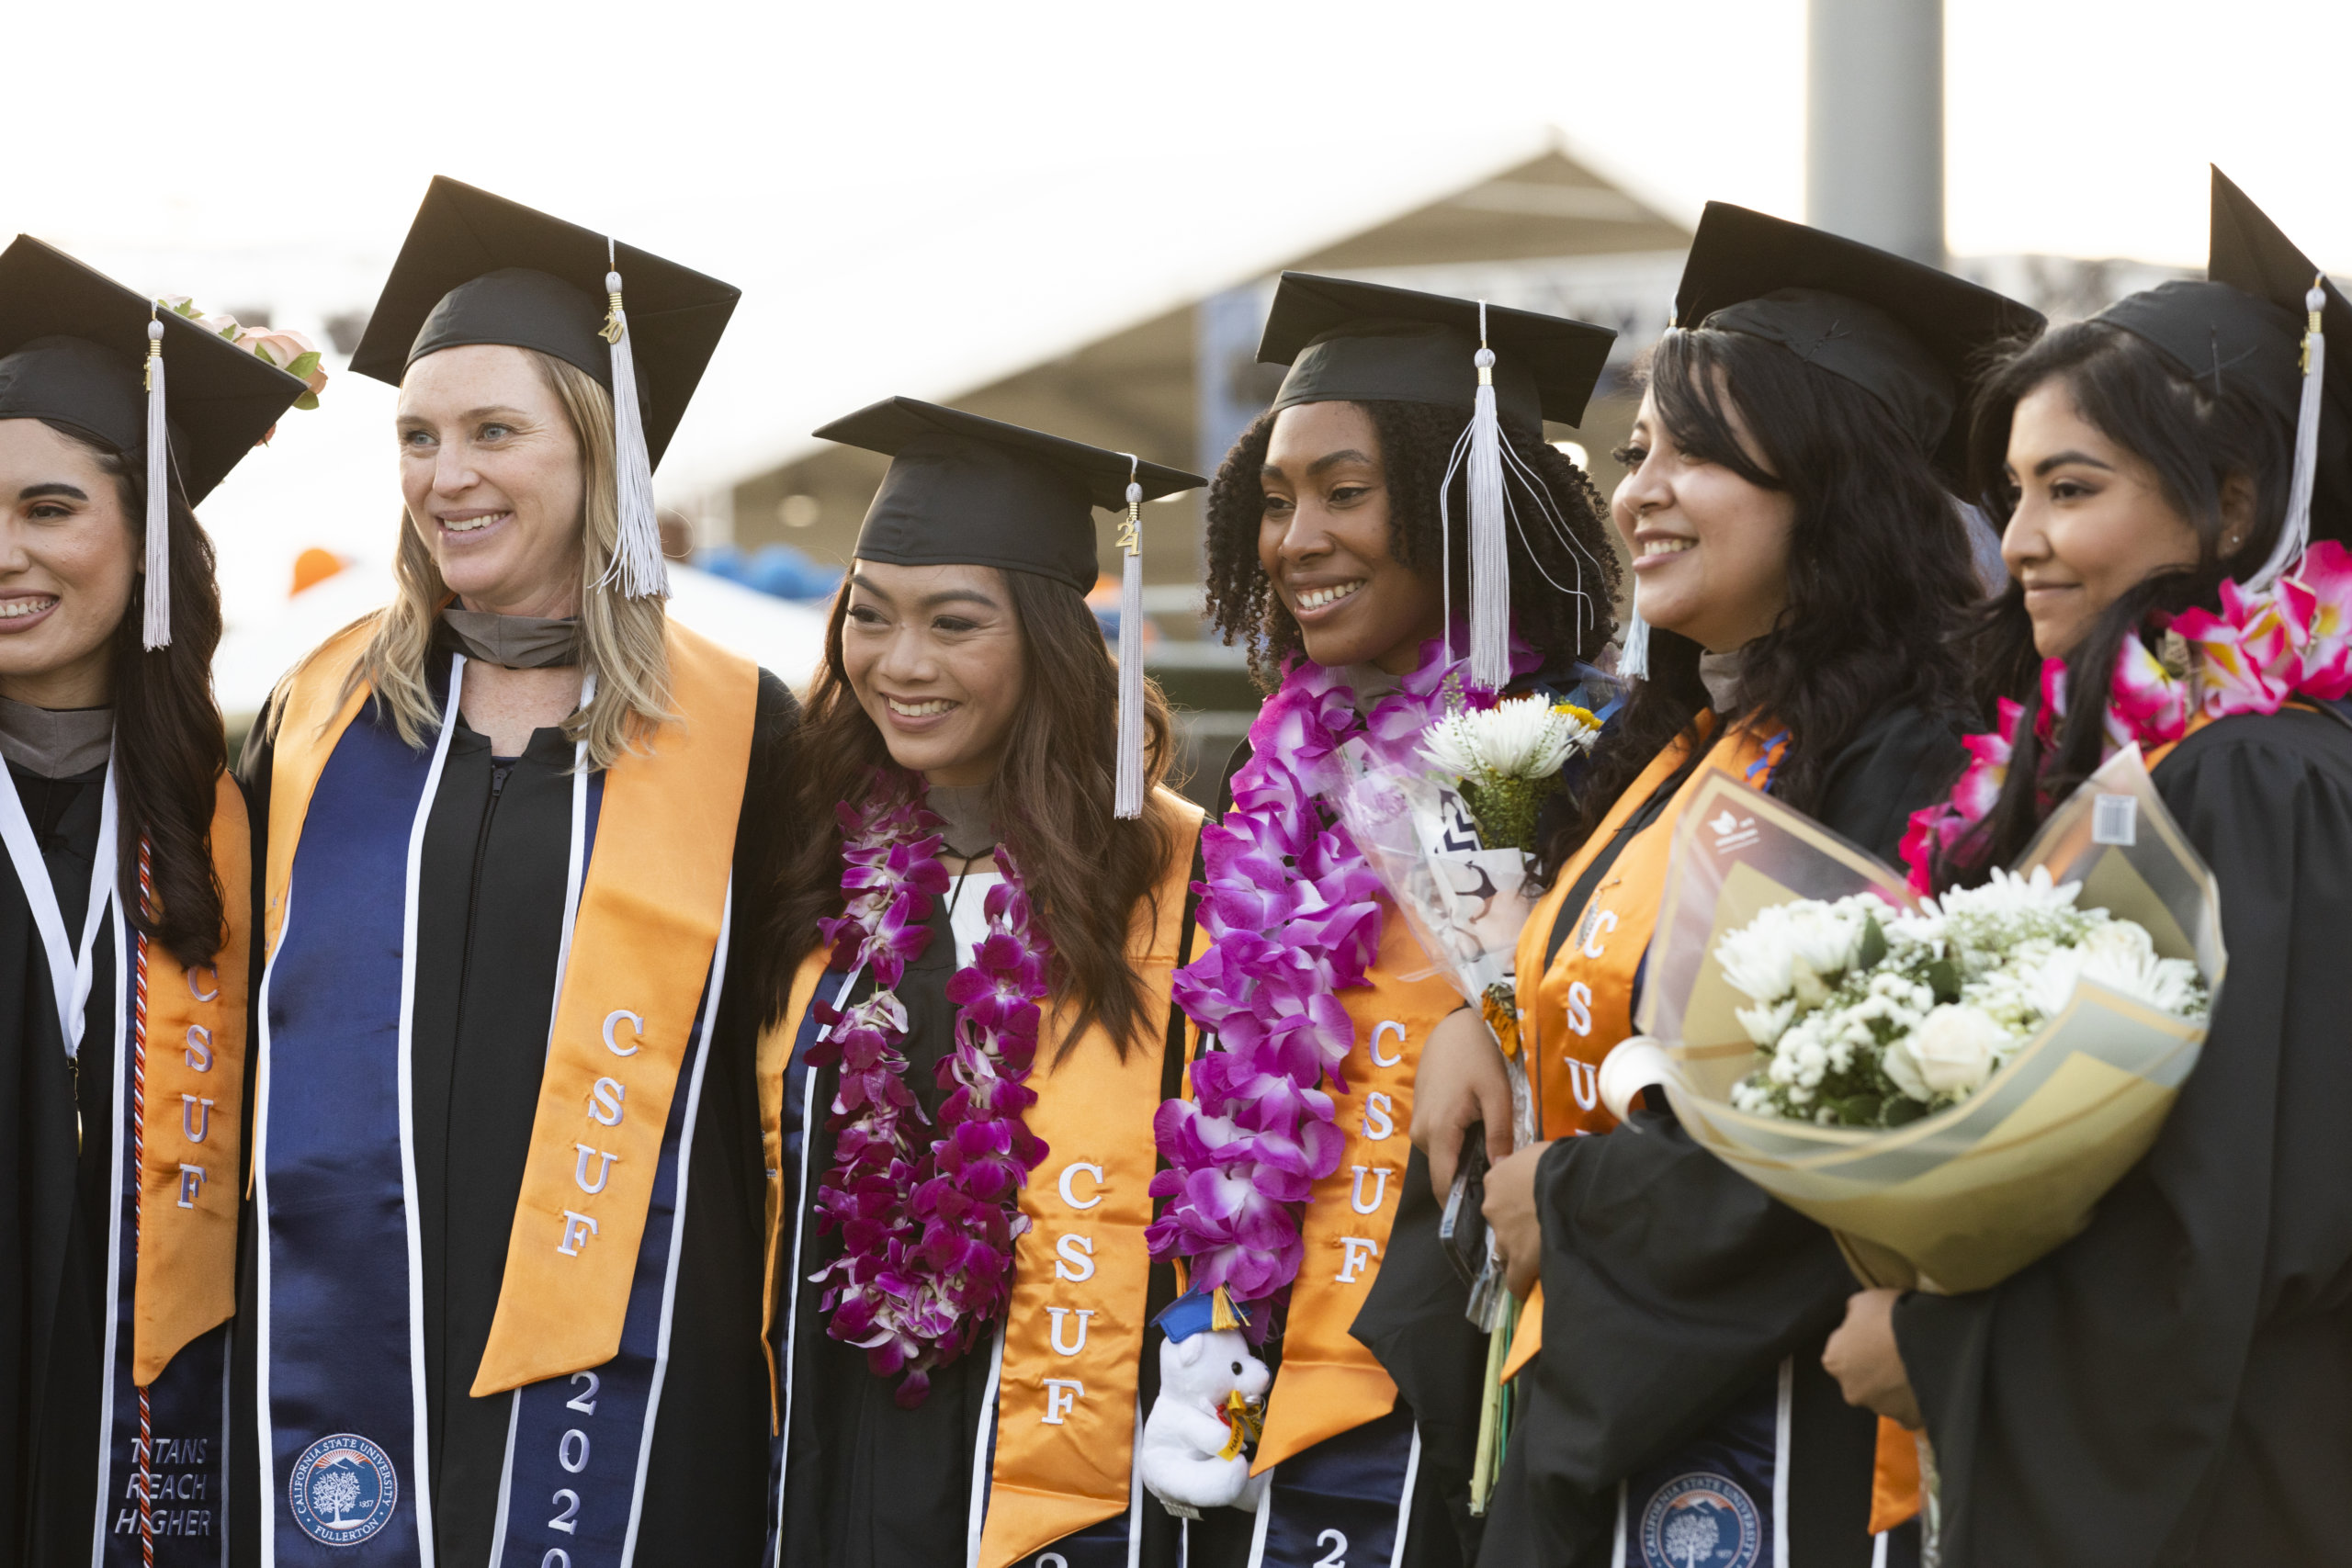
[[1294, 916], [2266, 649], [927, 1227]]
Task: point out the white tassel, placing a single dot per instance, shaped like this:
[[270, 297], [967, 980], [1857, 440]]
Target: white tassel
[[1633, 651], [1129, 803], [637, 565], [1489, 543], [156, 629], [2295, 532]]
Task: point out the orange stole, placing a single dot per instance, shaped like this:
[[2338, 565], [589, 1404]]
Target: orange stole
[[196, 1087], [1328, 1382], [1064, 1453], [1074, 1332], [1579, 1007], [652, 907]]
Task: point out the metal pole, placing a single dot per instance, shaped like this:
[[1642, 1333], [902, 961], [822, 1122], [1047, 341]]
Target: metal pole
[[1875, 123]]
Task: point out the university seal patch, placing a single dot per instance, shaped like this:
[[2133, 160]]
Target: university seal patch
[[343, 1490], [1701, 1520]]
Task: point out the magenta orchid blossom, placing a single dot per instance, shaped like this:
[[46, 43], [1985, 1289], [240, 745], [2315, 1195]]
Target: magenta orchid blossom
[[2263, 651], [927, 1226]]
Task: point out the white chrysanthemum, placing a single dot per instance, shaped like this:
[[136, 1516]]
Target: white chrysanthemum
[[1766, 1020], [1519, 738], [2120, 955]]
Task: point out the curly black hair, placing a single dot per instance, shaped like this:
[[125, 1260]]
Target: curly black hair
[[1417, 442]]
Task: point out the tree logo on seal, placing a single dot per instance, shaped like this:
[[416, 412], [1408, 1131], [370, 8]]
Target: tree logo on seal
[[343, 1490], [1701, 1520]]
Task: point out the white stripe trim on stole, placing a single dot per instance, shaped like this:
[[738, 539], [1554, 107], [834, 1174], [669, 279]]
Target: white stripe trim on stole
[[228, 1380], [1617, 1553], [1265, 1517], [1405, 1505], [1135, 1493], [505, 1480], [422, 1459], [678, 1226], [262, 1433], [1781, 1419], [575, 868], [1878, 1550], [123, 995], [976, 1516], [793, 1281]]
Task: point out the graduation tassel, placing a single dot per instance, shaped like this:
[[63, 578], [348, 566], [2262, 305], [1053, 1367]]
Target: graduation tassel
[[155, 628], [2295, 532], [636, 555], [1634, 654], [1489, 546], [1129, 803]]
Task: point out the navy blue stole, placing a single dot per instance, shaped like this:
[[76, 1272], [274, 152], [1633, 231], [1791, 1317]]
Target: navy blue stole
[[1721, 1501], [1344, 1503], [341, 1384]]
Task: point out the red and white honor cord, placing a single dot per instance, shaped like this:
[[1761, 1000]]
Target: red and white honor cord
[[139, 1190]]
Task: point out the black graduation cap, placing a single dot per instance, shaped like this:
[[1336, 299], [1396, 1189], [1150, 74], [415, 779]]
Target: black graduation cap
[[1348, 342], [480, 269], [1899, 330], [963, 490], [2245, 325], [74, 349]]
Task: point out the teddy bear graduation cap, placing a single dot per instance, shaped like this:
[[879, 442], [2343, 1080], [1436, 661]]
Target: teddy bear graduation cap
[[79, 350], [477, 268]]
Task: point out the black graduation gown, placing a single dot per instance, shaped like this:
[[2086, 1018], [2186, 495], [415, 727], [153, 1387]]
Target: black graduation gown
[[57, 1213], [1674, 1288], [2175, 1384], [868, 1485], [490, 897]]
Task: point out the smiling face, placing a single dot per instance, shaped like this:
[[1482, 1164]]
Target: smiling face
[[2092, 521], [490, 471], [1323, 541], [936, 657], [68, 563], [1711, 550]]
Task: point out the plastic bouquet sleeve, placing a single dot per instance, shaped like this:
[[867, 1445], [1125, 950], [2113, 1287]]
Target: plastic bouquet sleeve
[[1960, 1200]]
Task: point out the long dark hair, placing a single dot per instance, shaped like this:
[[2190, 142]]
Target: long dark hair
[[1880, 575], [1416, 441], [169, 750], [2195, 438], [1089, 876]]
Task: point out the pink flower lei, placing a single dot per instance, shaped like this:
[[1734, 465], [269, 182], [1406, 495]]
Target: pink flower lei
[[1294, 916], [2266, 648], [927, 1225]]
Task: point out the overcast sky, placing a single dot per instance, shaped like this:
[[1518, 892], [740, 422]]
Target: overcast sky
[[918, 196]]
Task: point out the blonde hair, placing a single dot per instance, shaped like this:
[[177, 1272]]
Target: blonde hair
[[622, 639]]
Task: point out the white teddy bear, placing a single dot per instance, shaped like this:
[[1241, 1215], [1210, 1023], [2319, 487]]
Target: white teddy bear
[[1187, 1432]]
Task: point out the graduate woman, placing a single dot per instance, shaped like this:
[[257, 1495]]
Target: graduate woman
[[504, 1242], [1340, 551], [2171, 1385], [976, 1028], [1799, 568], [123, 922]]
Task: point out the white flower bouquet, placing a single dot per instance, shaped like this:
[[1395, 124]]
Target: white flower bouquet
[[1951, 1084], [1874, 1016]]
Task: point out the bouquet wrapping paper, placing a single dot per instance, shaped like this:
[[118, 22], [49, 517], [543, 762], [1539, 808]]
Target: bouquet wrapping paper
[[1960, 1200]]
